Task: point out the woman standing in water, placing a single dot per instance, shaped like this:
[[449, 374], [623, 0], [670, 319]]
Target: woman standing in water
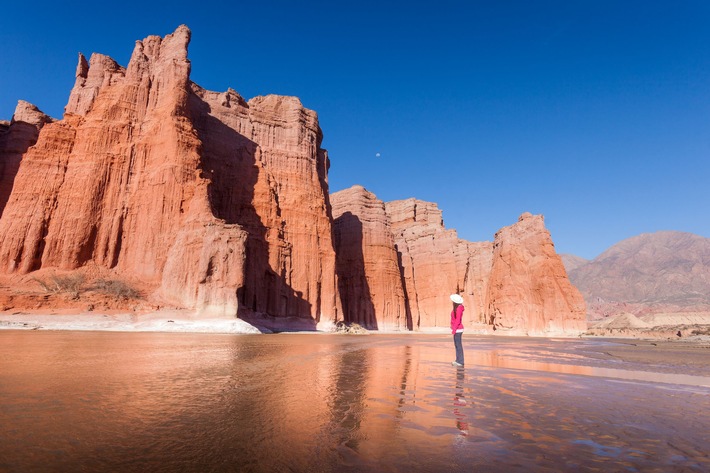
[[457, 327]]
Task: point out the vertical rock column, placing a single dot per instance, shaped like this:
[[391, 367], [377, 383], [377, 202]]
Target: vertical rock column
[[368, 271], [289, 140], [529, 292]]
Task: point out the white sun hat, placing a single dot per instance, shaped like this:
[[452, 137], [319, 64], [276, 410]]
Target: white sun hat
[[456, 298]]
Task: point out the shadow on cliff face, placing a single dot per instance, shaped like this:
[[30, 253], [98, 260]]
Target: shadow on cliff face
[[354, 290], [229, 162], [407, 305], [15, 140]]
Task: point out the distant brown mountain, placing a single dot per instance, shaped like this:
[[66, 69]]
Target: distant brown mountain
[[572, 261], [665, 270]]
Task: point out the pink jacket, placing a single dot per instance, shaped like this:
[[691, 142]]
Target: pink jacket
[[457, 319]]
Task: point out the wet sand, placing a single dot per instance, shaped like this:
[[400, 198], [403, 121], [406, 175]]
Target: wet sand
[[674, 354], [156, 321], [102, 401], [683, 357]]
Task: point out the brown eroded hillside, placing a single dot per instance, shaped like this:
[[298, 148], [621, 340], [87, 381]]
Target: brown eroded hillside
[[572, 261], [662, 268]]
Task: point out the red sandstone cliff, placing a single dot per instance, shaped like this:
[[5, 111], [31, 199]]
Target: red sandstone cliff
[[369, 278], [515, 285], [529, 291], [15, 139], [476, 259], [268, 174], [436, 263], [219, 203], [116, 181]]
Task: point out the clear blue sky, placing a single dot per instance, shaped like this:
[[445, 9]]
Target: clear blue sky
[[594, 113]]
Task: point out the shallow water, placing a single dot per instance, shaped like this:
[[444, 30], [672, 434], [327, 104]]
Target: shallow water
[[100, 401]]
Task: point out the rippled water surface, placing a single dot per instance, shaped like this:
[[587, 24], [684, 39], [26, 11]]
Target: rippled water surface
[[104, 402]]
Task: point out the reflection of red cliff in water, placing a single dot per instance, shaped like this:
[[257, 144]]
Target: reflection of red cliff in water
[[374, 403], [210, 202]]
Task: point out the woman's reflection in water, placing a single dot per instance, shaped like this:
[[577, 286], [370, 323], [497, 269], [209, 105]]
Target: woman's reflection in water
[[460, 403]]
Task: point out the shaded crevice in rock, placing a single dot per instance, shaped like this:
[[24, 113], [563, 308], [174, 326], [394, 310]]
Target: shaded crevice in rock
[[355, 295], [410, 323], [242, 191], [409, 284], [367, 262]]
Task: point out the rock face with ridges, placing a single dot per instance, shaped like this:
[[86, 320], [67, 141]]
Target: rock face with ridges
[[473, 261], [436, 263], [220, 203], [427, 259], [368, 271], [91, 77], [269, 175], [528, 291], [119, 181], [15, 139]]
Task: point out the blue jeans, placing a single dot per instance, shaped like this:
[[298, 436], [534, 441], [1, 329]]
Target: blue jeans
[[459, 347]]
